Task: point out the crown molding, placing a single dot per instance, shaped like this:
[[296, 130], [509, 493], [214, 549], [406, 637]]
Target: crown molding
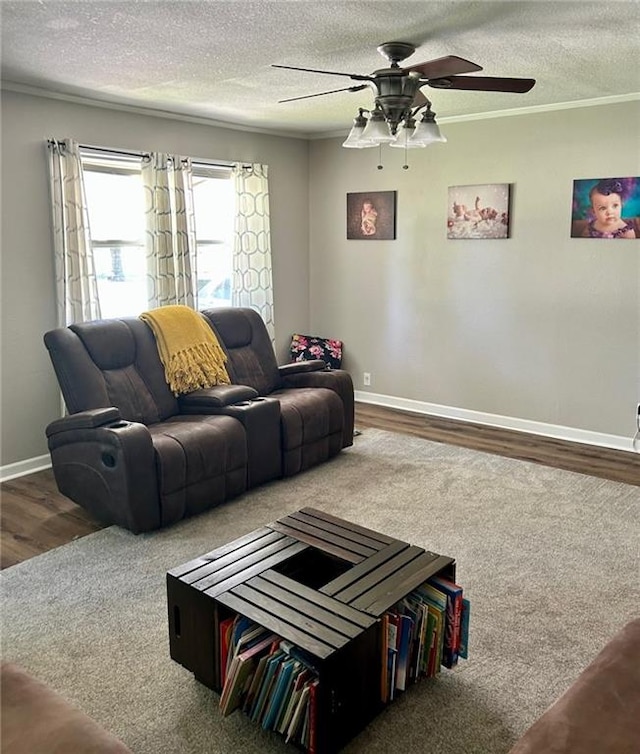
[[511, 112], [531, 109], [11, 86], [77, 99]]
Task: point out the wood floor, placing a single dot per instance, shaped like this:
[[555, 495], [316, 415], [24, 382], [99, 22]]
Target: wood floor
[[37, 518]]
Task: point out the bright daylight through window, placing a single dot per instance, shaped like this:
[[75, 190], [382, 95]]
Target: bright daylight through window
[[116, 205]]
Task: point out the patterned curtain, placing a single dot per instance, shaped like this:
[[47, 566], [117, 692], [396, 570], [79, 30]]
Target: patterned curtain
[[252, 279], [170, 234], [76, 283]]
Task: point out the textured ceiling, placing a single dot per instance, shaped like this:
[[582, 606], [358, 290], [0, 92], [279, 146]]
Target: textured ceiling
[[213, 59]]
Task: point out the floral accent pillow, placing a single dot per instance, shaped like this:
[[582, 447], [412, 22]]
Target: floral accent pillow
[[308, 347]]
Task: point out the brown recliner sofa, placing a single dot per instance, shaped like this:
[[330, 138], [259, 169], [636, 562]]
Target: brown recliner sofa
[[133, 454], [316, 404]]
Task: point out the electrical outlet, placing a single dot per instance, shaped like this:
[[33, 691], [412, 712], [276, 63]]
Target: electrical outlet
[[366, 378]]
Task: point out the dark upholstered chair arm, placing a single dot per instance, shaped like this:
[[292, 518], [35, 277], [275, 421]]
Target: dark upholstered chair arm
[[109, 470], [202, 401], [337, 380], [299, 367], [97, 417]]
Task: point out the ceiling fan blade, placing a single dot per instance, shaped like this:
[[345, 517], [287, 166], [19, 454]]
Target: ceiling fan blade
[[440, 67], [484, 84], [419, 100], [353, 76], [331, 91]]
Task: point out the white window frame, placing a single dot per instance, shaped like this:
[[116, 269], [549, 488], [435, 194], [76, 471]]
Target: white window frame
[[120, 163]]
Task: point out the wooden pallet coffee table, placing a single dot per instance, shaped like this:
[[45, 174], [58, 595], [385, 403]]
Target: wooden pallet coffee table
[[316, 580]]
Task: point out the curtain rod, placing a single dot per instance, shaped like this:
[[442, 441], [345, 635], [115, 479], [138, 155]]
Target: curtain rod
[[135, 153]]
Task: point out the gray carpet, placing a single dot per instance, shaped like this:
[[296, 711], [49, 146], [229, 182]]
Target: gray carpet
[[549, 559]]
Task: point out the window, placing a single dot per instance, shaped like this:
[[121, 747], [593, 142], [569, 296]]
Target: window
[[214, 209], [116, 207], [115, 201]]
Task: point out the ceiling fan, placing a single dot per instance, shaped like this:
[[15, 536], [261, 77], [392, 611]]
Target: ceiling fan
[[397, 91]]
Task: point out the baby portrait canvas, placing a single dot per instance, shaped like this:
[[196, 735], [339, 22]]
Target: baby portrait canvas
[[606, 208], [480, 211], [371, 216]]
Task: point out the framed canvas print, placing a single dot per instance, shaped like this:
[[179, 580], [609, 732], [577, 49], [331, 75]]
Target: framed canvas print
[[606, 208], [371, 216], [479, 211]]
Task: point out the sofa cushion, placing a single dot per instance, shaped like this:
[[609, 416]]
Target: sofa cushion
[[112, 363], [244, 337], [201, 461], [312, 423]]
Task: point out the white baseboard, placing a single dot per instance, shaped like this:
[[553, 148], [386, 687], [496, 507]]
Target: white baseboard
[[495, 420], [31, 465], [22, 468]]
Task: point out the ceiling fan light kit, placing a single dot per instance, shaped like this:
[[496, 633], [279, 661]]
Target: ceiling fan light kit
[[374, 131], [377, 131], [398, 97], [427, 131]]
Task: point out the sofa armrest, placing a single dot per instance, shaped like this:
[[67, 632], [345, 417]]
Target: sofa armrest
[[204, 400], [600, 712], [300, 367], [97, 417], [109, 469], [337, 380]]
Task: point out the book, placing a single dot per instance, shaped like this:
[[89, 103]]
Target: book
[[384, 631], [306, 658], [393, 639], [313, 717], [438, 600], [294, 731], [262, 697], [248, 637], [411, 606], [254, 686], [285, 696], [433, 633], [391, 672], [421, 629], [225, 636], [278, 690], [240, 673], [426, 642], [464, 628], [238, 623], [404, 648], [453, 593], [235, 686], [301, 676]]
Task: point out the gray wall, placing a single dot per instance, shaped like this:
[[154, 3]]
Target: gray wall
[[29, 390], [541, 327]]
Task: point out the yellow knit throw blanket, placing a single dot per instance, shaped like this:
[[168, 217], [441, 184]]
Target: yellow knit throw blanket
[[188, 348]]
